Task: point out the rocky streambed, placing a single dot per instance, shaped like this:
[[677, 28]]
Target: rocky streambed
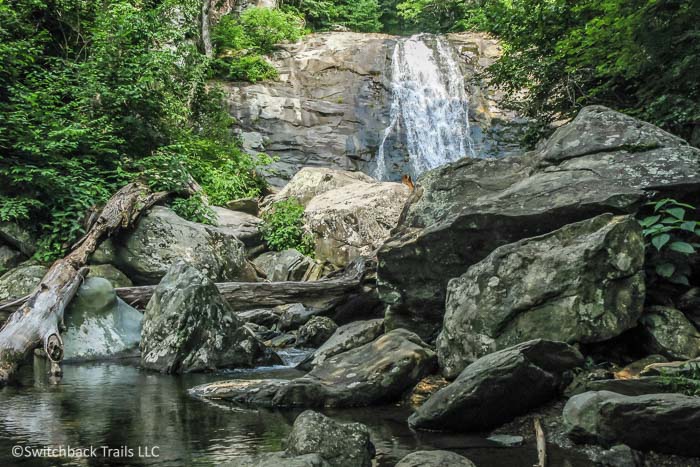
[[443, 317]]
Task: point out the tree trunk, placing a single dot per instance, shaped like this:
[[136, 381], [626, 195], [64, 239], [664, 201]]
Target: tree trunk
[[39, 320]]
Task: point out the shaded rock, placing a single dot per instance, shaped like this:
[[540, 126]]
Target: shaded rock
[[435, 459], [263, 317], [161, 237], [112, 274], [620, 456], [649, 422], [18, 237], [243, 226], [375, 373], [22, 280], [461, 212], [632, 387], [689, 304], [310, 182], [670, 333], [99, 325], [105, 253], [188, 327], [9, 258], [278, 459], [346, 337], [583, 283], [354, 220], [287, 265], [246, 205], [316, 331], [498, 387], [283, 340], [263, 333], [293, 316], [341, 445]]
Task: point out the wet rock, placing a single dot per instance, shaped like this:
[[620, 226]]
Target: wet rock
[[670, 333], [278, 459], [310, 182], [99, 325], [9, 258], [18, 237], [246, 205], [316, 331], [161, 238], [634, 387], [22, 280], [112, 274], [283, 340], [507, 440], [620, 456], [189, 327], [287, 265], [345, 338], [293, 316], [243, 226], [665, 423], [461, 212], [341, 445], [435, 459], [498, 387], [583, 283], [263, 333], [263, 317], [375, 373]]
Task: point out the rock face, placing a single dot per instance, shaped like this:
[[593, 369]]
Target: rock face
[[647, 423], [582, 283], [21, 281], [316, 331], [161, 237], [347, 337], [601, 162], [99, 324], [378, 372], [339, 445], [669, 333], [498, 387], [287, 265], [354, 220], [189, 327], [434, 459]]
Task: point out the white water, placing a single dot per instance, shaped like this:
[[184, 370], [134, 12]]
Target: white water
[[429, 103]]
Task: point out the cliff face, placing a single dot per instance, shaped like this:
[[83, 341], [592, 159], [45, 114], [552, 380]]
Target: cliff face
[[333, 103]]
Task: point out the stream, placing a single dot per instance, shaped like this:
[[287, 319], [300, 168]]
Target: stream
[[117, 405]]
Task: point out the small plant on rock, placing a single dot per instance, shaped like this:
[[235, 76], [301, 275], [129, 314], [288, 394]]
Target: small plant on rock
[[283, 228], [672, 240]]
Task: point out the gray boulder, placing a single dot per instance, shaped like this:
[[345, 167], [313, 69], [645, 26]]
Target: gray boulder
[[583, 283], [316, 331], [601, 162], [375, 373], [293, 316], [112, 274], [277, 459], [310, 182], [669, 333], [435, 459], [498, 387], [287, 265], [247, 205], [9, 258], [665, 423], [243, 226], [22, 280], [18, 237], [99, 325], [620, 456], [189, 327], [161, 237], [345, 338]]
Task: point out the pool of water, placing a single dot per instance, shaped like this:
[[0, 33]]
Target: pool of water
[[122, 408]]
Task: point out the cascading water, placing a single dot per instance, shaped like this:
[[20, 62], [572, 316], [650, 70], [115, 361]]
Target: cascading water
[[430, 107]]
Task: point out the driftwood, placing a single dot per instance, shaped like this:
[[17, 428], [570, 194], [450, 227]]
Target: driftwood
[[39, 319], [541, 444]]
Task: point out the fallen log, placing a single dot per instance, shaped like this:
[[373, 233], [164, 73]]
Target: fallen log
[[39, 320], [541, 444]]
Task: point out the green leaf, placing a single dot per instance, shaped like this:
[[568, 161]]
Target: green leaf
[[665, 270], [659, 204], [671, 220], [651, 220], [682, 247], [660, 240], [689, 226], [680, 279], [678, 213]]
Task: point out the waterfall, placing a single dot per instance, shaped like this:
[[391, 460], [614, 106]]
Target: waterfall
[[429, 107]]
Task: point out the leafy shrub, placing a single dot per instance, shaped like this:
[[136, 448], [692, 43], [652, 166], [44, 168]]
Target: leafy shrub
[[251, 68], [672, 239], [283, 228]]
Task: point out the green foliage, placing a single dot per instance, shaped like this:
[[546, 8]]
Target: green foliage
[[356, 15], [672, 239], [195, 209], [241, 42], [94, 95], [283, 228]]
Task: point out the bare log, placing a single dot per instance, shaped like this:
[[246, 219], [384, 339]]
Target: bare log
[[39, 320], [541, 444]]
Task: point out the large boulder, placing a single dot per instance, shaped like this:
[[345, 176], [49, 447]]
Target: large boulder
[[22, 280], [666, 423], [18, 237], [281, 266], [601, 162], [9, 258], [189, 327], [315, 332], [498, 387], [310, 182], [345, 338], [99, 325], [583, 283], [112, 274], [354, 220], [161, 237], [245, 227], [375, 373], [434, 459], [669, 333]]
